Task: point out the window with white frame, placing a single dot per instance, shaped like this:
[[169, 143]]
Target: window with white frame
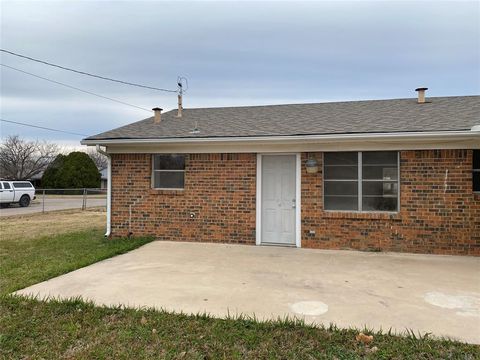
[[361, 181], [168, 171], [476, 171]]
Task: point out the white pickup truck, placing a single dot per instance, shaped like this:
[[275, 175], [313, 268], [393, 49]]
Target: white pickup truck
[[21, 192]]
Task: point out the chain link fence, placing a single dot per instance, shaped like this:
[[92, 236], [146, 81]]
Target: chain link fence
[[64, 199]]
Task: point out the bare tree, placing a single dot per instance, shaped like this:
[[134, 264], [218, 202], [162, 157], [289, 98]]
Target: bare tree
[[21, 159], [99, 159]]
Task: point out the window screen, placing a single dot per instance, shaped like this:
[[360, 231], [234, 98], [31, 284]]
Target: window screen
[[168, 171], [379, 181], [341, 181], [361, 181]]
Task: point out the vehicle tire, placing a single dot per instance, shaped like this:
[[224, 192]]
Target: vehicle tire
[[24, 201]]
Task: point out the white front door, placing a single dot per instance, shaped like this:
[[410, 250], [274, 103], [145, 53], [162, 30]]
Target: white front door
[[278, 199]]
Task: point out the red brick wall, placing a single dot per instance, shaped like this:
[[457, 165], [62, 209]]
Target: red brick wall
[[220, 190], [437, 215]]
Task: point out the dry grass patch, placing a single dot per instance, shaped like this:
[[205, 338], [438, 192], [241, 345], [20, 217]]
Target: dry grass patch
[[26, 227]]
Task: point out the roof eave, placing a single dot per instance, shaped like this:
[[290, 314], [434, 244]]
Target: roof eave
[[432, 135]]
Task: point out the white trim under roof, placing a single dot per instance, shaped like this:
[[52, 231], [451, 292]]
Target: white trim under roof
[[331, 142]]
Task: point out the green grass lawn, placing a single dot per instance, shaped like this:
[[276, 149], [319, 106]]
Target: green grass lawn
[[24, 262], [74, 329]]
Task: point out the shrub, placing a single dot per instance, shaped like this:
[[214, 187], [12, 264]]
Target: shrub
[[50, 176], [76, 170]]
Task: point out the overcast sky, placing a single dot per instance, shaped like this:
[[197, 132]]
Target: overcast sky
[[233, 53]]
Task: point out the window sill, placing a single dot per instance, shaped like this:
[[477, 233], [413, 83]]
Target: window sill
[[394, 215], [167, 191]]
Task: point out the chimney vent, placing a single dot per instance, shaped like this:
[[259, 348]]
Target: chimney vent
[[158, 114], [421, 95]]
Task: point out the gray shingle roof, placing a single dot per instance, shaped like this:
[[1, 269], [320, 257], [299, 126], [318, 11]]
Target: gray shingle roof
[[372, 116]]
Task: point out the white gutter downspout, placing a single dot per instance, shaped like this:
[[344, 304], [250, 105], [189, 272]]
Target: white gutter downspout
[[109, 189]]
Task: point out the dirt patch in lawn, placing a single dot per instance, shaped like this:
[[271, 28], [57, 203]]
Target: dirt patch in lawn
[[50, 223]]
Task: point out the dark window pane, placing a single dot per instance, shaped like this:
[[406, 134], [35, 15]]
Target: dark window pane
[[379, 188], [169, 162], [379, 172], [341, 158], [341, 202], [341, 187], [476, 181], [476, 159], [379, 158], [6, 185], [168, 179], [380, 176], [341, 195], [379, 203], [341, 172], [381, 165]]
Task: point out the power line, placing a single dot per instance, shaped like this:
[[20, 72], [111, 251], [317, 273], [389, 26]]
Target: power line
[[86, 73], [42, 127], [75, 88]]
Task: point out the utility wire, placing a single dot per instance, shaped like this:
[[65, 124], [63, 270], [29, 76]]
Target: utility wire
[[75, 88], [85, 73], [42, 127]]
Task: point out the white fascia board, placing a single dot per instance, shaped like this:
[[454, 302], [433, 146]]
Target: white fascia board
[[292, 138], [406, 140]]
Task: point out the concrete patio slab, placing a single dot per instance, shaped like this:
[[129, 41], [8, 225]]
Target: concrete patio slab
[[426, 293]]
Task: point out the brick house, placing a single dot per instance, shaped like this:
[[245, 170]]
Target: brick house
[[382, 175]]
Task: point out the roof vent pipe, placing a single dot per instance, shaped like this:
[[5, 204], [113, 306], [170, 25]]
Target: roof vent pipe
[[158, 114], [421, 95], [180, 94], [180, 108]]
